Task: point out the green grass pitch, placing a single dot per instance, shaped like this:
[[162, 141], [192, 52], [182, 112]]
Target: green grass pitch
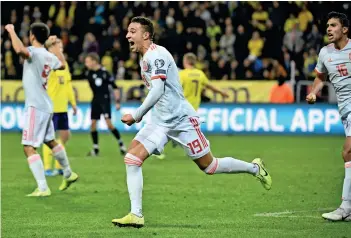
[[179, 200]]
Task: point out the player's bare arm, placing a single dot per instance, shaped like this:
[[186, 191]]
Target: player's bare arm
[[217, 90], [72, 97], [317, 86], [17, 44], [54, 47], [117, 95]]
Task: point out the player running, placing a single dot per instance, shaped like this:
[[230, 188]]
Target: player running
[[172, 118], [100, 82], [334, 61], [38, 126], [60, 91], [194, 81]]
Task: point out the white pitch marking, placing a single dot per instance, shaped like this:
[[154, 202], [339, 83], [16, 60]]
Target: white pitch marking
[[316, 217], [285, 213]]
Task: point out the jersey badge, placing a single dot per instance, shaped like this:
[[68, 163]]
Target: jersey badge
[[146, 67], [159, 63]]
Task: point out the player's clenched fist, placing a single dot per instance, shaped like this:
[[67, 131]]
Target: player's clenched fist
[[128, 119], [10, 27], [311, 98], [51, 41]]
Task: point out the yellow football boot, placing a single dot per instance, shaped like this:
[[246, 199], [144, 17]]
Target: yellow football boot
[[38, 193], [263, 174], [68, 181], [129, 220]]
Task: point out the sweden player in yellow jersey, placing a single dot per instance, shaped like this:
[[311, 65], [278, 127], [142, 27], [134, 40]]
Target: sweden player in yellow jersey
[[60, 90], [194, 81]]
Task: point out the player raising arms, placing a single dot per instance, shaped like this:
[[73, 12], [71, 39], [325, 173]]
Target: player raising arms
[[334, 60], [60, 91], [194, 81], [172, 118], [100, 82], [38, 126]]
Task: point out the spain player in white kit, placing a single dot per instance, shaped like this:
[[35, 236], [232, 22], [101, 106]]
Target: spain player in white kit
[[334, 61], [172, 118], [38, 127]]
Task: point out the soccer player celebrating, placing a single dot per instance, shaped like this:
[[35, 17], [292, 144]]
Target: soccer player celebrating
[[194, 81], [38, 126], [60, 91], [334, 60], [172, 118], [100, 82]]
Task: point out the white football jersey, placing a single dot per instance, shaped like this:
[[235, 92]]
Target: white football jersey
[[158, 63], [337, 64], [36, 70]]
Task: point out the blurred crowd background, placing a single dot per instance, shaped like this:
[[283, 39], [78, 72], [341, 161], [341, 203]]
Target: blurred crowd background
[[233, 40]]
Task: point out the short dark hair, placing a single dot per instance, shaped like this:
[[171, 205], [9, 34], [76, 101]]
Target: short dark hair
[[41, 31], [341, 16], [94, 56], [146, 23]]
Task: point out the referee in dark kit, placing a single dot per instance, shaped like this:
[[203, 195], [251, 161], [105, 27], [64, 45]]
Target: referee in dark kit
[[100, 81]]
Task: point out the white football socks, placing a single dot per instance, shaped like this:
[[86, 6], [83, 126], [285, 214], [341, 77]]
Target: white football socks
[[61, 156], [37, 168], [134, 183], [231, 165], [346, 190]]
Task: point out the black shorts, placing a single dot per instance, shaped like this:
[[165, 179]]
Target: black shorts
[[100, 108], [60, 120]]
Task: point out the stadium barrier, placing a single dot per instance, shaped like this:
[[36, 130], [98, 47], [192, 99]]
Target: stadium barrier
[[300, 119], [242, 91]]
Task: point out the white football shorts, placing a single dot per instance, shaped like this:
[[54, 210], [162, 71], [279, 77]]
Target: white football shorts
[[37, 127], [187, 134]]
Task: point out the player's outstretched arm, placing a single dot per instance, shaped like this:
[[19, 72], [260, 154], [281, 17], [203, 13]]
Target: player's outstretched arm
[[16, 42], [117, 95], [71, 94], [317, 86], [217, 90], [116, 92], [157, 90]]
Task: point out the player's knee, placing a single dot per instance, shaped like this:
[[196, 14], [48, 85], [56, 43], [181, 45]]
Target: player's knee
[[51, 144], [205, 161], [346, 152], [132, 160], [29, 150], [65, 136], [93, 126], [110, 127], [211, 169]]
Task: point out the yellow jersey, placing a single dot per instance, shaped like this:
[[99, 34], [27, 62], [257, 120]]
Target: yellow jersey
[[193, 82], [60, 90]]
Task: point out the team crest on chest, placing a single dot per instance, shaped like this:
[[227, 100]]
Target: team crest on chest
[[146, 67]]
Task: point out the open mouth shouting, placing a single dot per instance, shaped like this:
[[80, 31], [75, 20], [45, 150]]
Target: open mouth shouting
[[131, 44], [330, 36]]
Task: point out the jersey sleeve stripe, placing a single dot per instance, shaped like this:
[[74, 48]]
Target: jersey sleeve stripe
[[317, 72], [159, 76]]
